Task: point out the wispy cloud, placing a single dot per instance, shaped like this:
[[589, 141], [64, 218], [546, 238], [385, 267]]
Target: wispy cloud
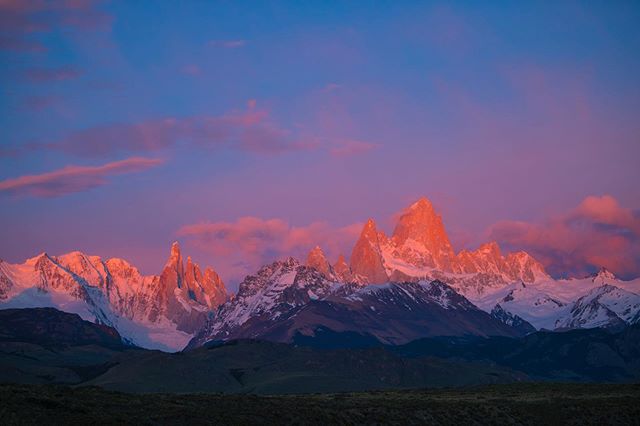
[[249, 131], [191, 69], [20, 20], [348, 148], [599, 232], [242, 246], [21, 45], [330, 87], [39, 103], [227, 44], [72, 179], [41, 75]]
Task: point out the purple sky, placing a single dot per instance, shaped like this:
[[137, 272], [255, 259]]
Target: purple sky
[[249, 131]]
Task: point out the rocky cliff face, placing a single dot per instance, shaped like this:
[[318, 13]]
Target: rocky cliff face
[[165, 309], [285, 300], [366, 258], [185, 294], [420, 248], [53, 328], [274, 291], [317, 260], [343, 270], [420, 237]]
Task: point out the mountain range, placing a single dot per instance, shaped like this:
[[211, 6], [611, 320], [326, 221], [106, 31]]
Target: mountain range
[[419, 248], [394, 289], [158, 311], [47, 346]]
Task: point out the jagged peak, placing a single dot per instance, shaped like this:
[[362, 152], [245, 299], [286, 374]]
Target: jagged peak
[[175, 249], [209, 271], [342, 269], [315, 256], [604, 274], [175, 257], [369, 231], [422, 203], [74, 253], [491, 247], [420, 221], [290, 260], [119, 263], [316, 251], [38, 256], [520, 254], [317, 260], [370, 225], [35, 259], [597, 292]]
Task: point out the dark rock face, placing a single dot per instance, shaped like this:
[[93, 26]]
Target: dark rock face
[[512, 320], [394, 314], [285, 300], [274, 292], [51, 327], [5, 285]]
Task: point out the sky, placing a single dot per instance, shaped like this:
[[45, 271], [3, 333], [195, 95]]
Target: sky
[[249, 131]]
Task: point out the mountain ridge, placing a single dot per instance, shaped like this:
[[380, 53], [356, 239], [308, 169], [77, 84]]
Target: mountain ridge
[[154, 311], [184, 305], [419, 248]]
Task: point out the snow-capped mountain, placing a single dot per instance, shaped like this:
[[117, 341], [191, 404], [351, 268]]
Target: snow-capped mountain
[[512, 319], [286, 298], [601, 300], [510, 286], [419, 248], [150, 311], [526, 301], [605, 307], [275, 290], [383, 290], [406, 286]]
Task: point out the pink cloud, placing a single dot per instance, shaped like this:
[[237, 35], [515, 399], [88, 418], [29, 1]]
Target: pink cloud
[[599, 232], [39, 103], [330, 87], [21, 45], [227, 44], [249, 131], [19, 20], [606, 210], [72, 179], [241, 247], [6, 152], [52, 74], [191, 69], [347, 148]]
